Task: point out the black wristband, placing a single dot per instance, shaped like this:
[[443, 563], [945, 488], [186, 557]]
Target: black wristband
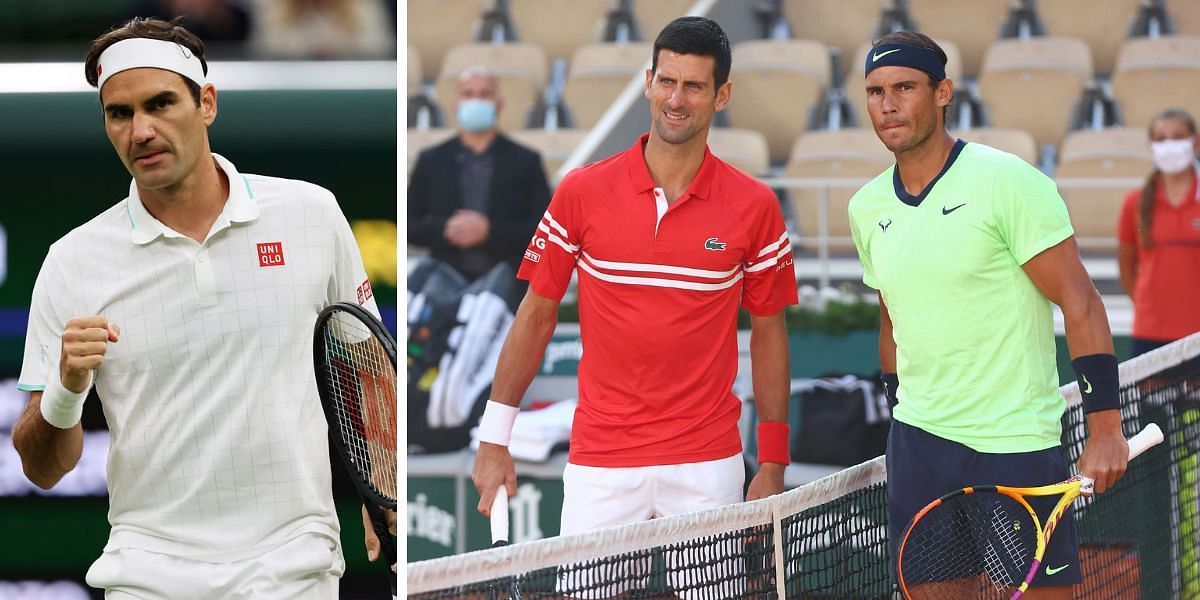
[[1099, 384], [891, 383]]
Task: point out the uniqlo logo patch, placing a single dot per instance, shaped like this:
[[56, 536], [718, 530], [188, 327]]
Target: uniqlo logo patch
[[270, 254], [364, 292]]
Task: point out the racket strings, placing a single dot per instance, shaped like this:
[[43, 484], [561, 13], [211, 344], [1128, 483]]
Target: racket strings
[[972, 546], [362, 381]]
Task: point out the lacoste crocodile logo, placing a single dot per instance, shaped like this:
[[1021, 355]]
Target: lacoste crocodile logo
[[712, 244]]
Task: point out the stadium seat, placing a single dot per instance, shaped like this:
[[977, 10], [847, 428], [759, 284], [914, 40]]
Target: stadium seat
[[598, 74], [855, 153], [420, 139], [856, 91], [973, 26], [1102, 30], [559, 26], [840, 24], [1014, 141], [1034, 84], [435, 26], [1185, 14], [555, 146], [652, 15], [1157, 73], [1120, 152], [776, 84], [745, 149], [519, 67]]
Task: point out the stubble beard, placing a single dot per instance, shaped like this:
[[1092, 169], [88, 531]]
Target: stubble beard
[[674, 136], [917, 140]]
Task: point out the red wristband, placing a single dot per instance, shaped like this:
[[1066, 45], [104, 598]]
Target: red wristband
[[773, 443]]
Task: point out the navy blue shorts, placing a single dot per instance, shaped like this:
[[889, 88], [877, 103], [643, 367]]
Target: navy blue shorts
[[922, 467]]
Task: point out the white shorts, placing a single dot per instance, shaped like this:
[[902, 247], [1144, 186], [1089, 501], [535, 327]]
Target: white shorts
[[600, 497], [306, 568]]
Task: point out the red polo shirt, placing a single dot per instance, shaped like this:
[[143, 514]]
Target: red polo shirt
[[1166, 293], [659, 290]]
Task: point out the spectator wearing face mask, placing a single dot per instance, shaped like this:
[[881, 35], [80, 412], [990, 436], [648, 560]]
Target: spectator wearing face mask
[[476, 199], [1159, 233]]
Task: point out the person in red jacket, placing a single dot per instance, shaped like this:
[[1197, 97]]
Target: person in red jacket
[[1159, 234]]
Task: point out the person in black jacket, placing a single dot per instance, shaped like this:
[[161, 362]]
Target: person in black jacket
[[476, 199]]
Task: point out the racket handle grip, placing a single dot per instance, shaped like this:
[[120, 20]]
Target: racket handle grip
[[500, 517], [1145, 439]]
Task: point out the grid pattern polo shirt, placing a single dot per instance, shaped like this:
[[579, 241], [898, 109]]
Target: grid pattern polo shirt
[[659, 291], [218, 443]]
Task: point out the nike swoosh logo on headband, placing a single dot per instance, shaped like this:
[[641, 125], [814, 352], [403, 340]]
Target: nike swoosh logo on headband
[[876, 57]]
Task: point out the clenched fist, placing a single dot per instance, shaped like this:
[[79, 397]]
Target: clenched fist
[[84, 344]]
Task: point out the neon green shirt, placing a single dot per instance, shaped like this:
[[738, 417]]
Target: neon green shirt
[[974, 337]]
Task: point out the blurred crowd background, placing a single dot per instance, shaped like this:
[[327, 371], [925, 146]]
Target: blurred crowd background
[[232, 29]]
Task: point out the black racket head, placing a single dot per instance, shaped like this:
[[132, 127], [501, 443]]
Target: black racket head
[[354, 357], [970, 545]]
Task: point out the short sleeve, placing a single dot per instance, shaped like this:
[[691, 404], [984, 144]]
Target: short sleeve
[[48, 308], [770, 275], [1030, 215], [550, 257], [864, 253], [348, 282], [1127, 223]]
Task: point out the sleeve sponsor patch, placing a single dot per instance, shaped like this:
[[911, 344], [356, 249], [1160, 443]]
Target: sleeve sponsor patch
[[532, 256], [364, 292]]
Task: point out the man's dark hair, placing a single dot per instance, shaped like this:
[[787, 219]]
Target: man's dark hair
[[154, 29], [699, 36], [920, 40]]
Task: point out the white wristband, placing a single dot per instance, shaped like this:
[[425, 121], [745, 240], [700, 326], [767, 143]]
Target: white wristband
[[61, 407], [495, 427]]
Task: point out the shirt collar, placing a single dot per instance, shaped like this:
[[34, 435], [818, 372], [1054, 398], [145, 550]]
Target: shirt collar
[[639, 173], [240, 207]]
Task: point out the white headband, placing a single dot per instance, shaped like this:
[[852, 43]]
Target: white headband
[[144, 52]]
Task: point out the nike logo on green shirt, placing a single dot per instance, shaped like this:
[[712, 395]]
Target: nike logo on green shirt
[[1050, 571], [876, 57]]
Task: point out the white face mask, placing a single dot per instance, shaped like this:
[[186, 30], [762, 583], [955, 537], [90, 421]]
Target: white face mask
[[1173, 156]]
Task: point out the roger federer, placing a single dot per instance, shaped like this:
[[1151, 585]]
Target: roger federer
[[189, 306]]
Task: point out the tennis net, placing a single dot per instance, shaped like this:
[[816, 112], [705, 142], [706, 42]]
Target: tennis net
[[828, 539]]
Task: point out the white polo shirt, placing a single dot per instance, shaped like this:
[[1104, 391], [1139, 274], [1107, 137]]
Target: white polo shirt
[[219, 446]]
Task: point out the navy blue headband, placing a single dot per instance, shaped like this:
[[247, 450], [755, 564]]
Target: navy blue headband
[[905, 55]]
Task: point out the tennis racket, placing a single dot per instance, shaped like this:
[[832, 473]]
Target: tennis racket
[[499, 521], [355, 363], [986, 541]]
